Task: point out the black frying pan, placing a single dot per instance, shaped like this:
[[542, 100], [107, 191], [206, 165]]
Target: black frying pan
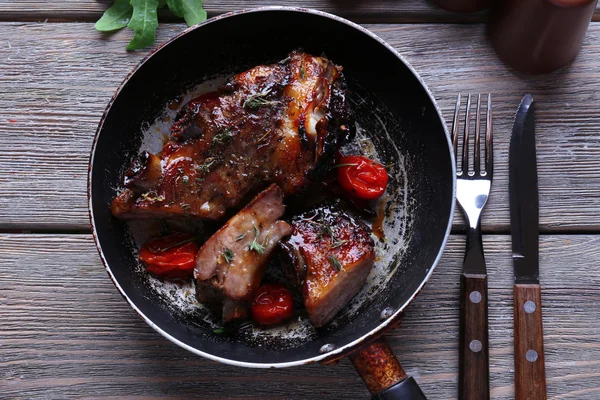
[[401, 126]]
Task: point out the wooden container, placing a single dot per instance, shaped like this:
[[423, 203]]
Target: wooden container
[[539, 35]]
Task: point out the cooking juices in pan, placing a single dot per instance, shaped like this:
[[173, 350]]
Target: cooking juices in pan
[[375, 128]]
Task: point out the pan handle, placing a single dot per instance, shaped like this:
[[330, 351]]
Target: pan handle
[[382, 373]]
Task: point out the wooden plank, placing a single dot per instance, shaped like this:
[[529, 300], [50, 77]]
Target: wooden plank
[[56, 79], [66, 332], [374, 11]]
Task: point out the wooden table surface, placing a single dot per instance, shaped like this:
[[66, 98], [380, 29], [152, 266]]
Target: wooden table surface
[[65, 332]]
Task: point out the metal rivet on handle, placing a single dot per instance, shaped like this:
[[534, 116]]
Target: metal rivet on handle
[[475, 346], [529, 306], [326, 348], [386, 313], [475, 296], [531, 355]]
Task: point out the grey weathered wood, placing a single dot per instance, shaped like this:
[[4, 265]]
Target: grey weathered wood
[[375, 11], [66, 331], [56, 79]]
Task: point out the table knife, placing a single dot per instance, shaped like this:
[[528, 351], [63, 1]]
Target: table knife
[[530, 374]]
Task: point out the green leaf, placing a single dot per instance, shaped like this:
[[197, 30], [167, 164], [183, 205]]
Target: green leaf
[[193, 13], [116, 17], [144, 22], [176, 7]]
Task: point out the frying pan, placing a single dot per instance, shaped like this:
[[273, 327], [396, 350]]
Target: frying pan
[[400, 124]]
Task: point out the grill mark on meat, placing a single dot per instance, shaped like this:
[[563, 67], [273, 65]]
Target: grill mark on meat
[[271, 124]]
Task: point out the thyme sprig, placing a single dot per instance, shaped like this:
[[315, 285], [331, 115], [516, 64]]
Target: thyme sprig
[[335, 263], [244, 325], [228, 255], [343, 165], [255, 245], [178, 243], [338, 243], [258, 100]]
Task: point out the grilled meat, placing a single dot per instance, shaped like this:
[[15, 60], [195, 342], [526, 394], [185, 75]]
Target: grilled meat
[[278, 123], [234, 258], [332, 254]]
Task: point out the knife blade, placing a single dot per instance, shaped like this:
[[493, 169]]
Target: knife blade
[[530, 375]]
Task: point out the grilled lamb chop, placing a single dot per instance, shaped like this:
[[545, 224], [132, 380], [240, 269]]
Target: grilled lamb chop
[[234, 258], [278, 123], [332, 254]]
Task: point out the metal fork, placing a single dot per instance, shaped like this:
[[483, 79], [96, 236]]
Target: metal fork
[[472, 192]]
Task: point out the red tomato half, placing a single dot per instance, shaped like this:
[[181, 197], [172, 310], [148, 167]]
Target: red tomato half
[[172, 256], [272, 305], [361, 177]]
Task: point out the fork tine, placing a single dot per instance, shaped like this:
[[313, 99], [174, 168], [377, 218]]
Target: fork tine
[[455, 125], [476, 166], [465, 154], [489, 151]]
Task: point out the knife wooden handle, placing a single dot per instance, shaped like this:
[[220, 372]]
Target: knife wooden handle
[[474, 368], [530, 371]]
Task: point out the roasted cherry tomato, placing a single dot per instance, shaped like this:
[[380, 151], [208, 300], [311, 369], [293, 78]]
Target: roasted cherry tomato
[[272, 305], [361, 177], [170, 257]]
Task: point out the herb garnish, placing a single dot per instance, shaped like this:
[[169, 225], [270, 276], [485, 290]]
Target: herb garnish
[[185, 179], [228, 255], [343, 165], [205, 168], [152, 196], [179, 243], [257, 100], [142, 17], [255, 246], [335, 263], [338, 243], [222, 137], [302, 72], [263, 136], [232, 329], [186, 208], [240, 237]]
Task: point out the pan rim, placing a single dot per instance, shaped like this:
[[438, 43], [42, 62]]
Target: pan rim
[[348, 347]]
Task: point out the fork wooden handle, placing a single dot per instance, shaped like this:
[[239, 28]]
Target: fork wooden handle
[[473, 345], [530, 371]]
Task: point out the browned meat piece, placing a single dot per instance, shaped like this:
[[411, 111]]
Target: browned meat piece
[[234, 312], [332, 253], [234, 258], [277, 123]]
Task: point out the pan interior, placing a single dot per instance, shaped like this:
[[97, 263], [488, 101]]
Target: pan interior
[[397, 124]]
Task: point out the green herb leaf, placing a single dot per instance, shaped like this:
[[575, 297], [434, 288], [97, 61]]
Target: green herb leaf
[[343, 165], [335, 263], [175, 7], [240, 237], [193, 13], [255, 246], [232, 329], [338, 243], [257, 100], [144, 22], [228, 255], [180, 243], [116, 17]]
